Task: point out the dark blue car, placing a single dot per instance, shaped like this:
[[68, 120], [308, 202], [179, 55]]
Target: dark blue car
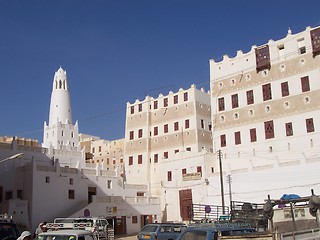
[[161, 231]]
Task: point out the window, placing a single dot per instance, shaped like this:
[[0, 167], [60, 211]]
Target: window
[[8, 195], [289, 130], [315, 40], [223, 140], [155, 105], [166, 155], [109, 184], [93, 150], [301, 46], [185, 96], [165, 102], [250, 97], [199, 170], [234, 100], [169, 174], [202, 123], [268, 129], [140, 107], [210, 127], [71, 194], [285, 89], [186, 124], [47, 179], [140, 133], [140, 194], [71, 181], [176, 151], [266, 92], [155, 131], [130, 160], [237, 138], [305, 87], [131, 135], [309, 125], [188, 149], [165, 128], [184, 171], [175, 99], [176, 126], [140, 159], [132, 109], [134, 219], [155, 158], [302, 50], [221, 104], [281, 51], [99, 148], [281, 47], [20, 194], [262, 58], [253, 135]]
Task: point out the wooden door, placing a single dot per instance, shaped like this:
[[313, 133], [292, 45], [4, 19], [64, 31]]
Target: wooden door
[[185, 199]]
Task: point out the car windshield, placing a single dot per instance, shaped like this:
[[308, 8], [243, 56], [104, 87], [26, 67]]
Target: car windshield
[[149, 228], [82, 220], [8, 231]]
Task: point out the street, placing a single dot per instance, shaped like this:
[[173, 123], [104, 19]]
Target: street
[[128, 237]]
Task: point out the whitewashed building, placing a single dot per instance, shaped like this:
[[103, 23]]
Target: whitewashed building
[[56, 181], [260, 119], [266, 118], [168, 146]]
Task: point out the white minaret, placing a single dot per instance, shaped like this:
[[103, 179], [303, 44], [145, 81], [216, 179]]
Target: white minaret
[[60, 108], [60, 133]]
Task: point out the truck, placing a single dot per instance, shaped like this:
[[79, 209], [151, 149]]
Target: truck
[[66, 235], [223, 231], [99, 226]]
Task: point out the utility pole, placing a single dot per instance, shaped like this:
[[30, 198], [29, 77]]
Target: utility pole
[[221, 181], [230, 193]]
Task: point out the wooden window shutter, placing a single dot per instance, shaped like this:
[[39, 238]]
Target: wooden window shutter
[[269, 130], [315, 41], [262, 58]]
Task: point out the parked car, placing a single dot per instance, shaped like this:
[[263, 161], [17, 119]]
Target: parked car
[[8, 230], [67, 235], [161, 231]]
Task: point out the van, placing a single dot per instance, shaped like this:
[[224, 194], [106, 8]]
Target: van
[[161, 231]]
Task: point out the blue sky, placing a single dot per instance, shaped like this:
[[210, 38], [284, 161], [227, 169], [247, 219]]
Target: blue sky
[[117, 51]]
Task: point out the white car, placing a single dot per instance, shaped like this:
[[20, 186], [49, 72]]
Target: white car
[[67, 235]]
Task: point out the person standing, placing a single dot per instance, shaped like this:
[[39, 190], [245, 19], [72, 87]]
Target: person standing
[[38, 230], [25, 235]]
